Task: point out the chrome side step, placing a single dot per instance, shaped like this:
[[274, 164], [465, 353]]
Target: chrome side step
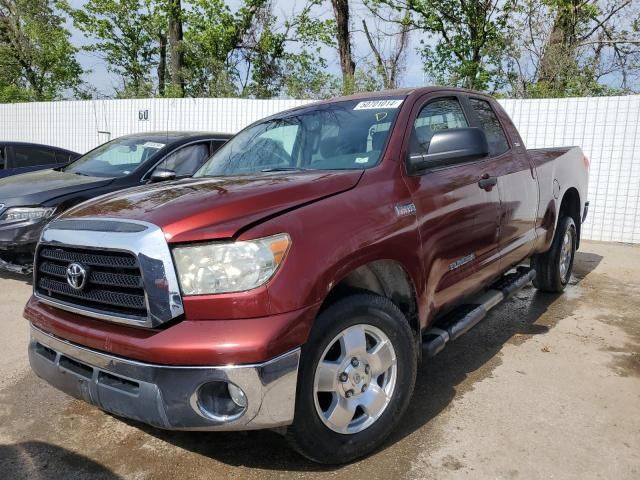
[[465, 317]]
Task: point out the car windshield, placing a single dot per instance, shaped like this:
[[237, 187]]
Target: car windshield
[[345, 135], [116, 158]]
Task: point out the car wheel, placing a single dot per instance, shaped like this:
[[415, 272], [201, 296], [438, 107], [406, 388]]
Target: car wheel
[[553, 268], [357, 374]]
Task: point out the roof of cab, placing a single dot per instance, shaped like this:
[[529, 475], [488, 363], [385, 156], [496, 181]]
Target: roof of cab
[[398, 92]]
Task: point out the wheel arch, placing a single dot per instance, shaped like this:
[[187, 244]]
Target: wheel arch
[[387, 278], [570, 205]]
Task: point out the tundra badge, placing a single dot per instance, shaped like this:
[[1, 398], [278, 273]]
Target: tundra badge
[[462, 261], [405, 210]]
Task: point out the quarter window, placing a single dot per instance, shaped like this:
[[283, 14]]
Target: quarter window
[[435, 116], [489, 122]]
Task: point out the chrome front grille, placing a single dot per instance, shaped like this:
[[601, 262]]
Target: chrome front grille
[[126, 269], [114, 284]]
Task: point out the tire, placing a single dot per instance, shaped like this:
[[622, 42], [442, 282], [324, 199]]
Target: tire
[[312, 434], [553, 268]]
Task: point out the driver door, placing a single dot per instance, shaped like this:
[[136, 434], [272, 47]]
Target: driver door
[[458, 218]]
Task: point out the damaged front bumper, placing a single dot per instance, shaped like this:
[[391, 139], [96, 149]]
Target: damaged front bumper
[[171, 397], [17, 246]]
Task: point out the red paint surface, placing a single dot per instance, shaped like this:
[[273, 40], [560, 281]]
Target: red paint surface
[[214, 342]]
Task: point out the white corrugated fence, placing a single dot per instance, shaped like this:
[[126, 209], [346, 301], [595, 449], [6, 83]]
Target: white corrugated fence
[[607, 128]]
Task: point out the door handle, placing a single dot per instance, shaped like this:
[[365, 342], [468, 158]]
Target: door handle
[[487, 182]]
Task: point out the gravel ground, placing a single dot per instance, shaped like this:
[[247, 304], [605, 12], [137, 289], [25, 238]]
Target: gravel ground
[[547, 386]]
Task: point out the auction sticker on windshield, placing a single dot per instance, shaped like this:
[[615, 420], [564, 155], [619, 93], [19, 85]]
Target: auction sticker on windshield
[[377, 104], [153, 145]]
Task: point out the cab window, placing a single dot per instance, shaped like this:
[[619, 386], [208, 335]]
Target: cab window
[[435, 116], [491, 125]]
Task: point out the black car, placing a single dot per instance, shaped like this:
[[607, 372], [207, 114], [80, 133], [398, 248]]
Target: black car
[[21, 157], [30, 200]]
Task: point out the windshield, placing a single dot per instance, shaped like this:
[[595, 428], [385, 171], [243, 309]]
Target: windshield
[[116, 158], [337, 136]]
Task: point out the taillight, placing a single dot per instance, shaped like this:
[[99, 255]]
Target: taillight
[[585, 160]]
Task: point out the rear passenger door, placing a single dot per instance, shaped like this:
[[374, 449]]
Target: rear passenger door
[[517, 183], [458, 219]]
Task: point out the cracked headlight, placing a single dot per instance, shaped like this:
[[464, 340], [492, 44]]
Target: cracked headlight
[[229, 266], [25, 214]]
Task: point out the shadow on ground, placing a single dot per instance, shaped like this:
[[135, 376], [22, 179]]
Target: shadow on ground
[[44, 461], [28, 279], [439, 380]]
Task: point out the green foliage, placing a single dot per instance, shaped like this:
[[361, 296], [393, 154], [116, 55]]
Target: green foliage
[[264, 48], [37, 58], [248, 53], [572, 48], [123, 35], [465, 40]]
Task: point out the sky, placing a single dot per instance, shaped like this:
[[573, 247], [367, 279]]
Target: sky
[[105, 82]]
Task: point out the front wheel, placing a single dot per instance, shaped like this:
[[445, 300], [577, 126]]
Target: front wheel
[[553, 268], [357, 373]]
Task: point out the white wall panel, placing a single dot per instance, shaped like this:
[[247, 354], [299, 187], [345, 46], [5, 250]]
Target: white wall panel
[[607, 128]]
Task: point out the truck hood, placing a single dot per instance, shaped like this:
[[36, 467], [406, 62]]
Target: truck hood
[[36, 188], [200, 209]]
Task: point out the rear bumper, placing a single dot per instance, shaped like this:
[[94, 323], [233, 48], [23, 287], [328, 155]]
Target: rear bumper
[[164, 396]]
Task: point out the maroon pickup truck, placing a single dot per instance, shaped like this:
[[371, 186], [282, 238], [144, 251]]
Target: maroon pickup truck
[[296, 282]]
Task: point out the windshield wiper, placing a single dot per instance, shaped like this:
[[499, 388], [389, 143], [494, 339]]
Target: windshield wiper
[[284, 169]]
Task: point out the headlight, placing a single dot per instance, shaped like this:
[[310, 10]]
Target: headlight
[[25, 214], [229, 266]]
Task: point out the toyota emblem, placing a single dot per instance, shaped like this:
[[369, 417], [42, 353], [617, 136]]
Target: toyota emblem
[[76, 276]]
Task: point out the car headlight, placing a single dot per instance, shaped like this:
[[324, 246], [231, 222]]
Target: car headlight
[[25, 214], [229, 266]]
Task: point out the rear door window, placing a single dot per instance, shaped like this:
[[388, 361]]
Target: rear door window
[[489, 122], [28, 156]]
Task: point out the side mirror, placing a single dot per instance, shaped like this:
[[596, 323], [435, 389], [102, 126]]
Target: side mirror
[[447, 147], [162, 174]]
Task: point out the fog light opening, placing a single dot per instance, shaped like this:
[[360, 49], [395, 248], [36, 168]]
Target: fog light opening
[[220, 401]]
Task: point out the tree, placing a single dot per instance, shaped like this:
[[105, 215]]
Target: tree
[[575, 47], [174, 14], [285, 57], [125, 33], [343, 40], [389, 66], [213, 40], [252, 51], [466, 38], [37, 58]]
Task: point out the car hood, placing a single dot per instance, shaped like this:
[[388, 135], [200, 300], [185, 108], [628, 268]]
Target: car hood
[[36, 188], [202, 209]]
